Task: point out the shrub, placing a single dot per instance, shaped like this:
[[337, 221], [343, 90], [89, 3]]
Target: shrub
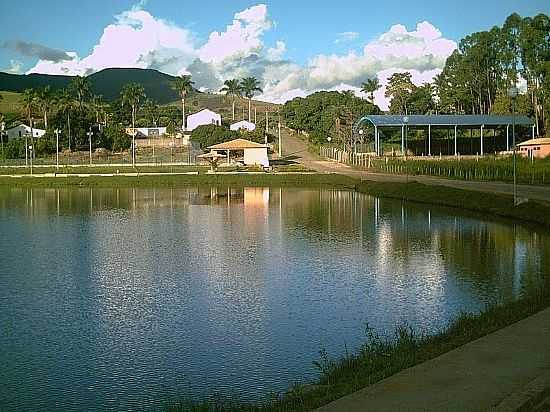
[[209, 135]]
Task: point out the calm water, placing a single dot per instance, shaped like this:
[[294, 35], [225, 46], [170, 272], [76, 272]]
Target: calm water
[[121, 299]]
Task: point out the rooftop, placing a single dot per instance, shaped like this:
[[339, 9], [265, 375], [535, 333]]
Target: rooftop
[[446, 120], [539, 141], [237, 144]]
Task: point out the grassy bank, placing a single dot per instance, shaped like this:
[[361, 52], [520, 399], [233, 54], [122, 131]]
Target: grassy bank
[[486, 203], [379, 358], [263, 179]]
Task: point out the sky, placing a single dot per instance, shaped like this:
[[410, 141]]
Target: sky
[[293, 47]]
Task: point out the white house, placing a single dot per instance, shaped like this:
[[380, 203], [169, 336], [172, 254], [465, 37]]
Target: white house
[[147, 132], [22, 131], [243, 125], [202, 118]]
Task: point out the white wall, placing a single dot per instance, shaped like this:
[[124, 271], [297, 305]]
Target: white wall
[[19, 131], [204, 117], [256, 156], [243, 125]]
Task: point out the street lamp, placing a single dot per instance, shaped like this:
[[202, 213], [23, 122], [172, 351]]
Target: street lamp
[[406, 123], [2, 128], [90, 141], [30, 149], [513, 94], [56, 148]]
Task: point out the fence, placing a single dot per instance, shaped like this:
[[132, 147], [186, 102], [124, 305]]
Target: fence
[[528, 171]]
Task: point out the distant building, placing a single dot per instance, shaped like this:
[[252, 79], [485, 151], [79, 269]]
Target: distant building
[[254, 153], [23, 130], [538, 148], [243, 125], [147, 132], [202, 118]]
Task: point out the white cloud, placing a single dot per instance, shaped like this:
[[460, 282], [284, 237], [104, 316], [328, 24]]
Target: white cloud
[[16, 67], [241, 38], [138, 39], [346, 37], [277, 52]]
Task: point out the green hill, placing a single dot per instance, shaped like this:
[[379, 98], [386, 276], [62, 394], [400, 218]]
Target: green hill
[[107, 83]]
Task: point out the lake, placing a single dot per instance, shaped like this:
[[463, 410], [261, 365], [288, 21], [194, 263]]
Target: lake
[[122, 299]]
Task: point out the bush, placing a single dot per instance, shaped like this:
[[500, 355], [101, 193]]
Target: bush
[[14, 149], [210, 135], [45, 145], [118, 137]]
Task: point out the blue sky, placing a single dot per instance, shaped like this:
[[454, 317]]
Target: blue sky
[[302, 40]]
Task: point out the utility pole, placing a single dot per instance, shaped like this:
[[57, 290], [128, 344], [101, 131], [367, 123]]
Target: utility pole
[[90, 141], [280, 140], [57, 149], [266, 121]]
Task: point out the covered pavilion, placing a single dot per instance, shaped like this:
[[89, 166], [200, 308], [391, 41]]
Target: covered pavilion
[[449, 122], [254, 153]]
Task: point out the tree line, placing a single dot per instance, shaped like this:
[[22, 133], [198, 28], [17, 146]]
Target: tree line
[[75, 112]]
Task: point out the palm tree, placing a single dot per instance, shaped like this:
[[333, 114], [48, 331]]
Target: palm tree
[[370, 86], [249, 86], [46, 99], [97, 105], [66, 104], [81, 87], [29, 100], [232, 88], [152, 110], [132, 94], [183, 85]]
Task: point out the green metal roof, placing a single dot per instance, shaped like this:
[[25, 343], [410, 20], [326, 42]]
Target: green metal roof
[[445, 120]]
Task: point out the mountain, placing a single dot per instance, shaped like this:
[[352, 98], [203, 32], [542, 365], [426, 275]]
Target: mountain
[[107, 82]]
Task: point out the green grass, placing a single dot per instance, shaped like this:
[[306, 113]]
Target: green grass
[[379, 358], [10, 102], [491, 169]]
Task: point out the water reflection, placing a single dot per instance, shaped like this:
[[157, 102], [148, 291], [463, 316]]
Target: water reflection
[[118, 298]]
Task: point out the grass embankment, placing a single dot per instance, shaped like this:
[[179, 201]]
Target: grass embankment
[[260, 179], [487, 169], [379, 358], [486, 203]]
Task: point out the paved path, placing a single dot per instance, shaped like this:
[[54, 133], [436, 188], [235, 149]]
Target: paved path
[[475, 377], [296, 149]]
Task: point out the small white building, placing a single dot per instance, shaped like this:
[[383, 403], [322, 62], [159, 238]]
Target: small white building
[[243, 125], [202, 118], [23, 130], [254, 153], [147, 132]]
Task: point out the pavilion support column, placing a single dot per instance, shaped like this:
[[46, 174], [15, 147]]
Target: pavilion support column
[[456, 142], [376, 140], [481, 139], [403, 139], [533, 132], [507, 137], [429, 140]]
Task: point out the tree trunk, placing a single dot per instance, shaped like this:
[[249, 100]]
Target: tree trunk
[[69, 127], [46, 119], [250, 109], [183, 128], [233, 109], [134, 136]]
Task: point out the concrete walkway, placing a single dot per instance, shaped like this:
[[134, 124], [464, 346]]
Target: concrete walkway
[[478, 376], [296, 149]]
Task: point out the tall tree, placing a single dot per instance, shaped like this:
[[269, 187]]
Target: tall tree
[[97, 105], [132, 94], [249, 87], [81, 87], [153, 111], [183, 85], [45, 99], [232, 88], [369, 87], [66, 104], [399, 90], [29, 101]]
